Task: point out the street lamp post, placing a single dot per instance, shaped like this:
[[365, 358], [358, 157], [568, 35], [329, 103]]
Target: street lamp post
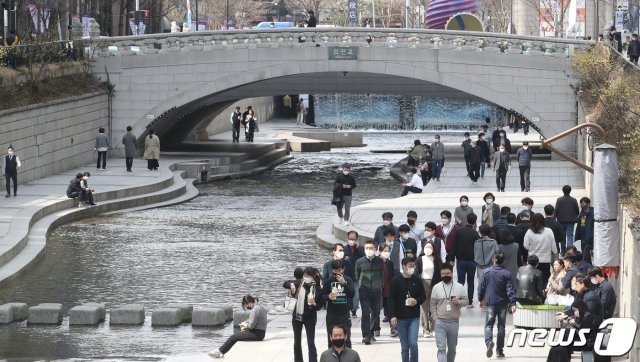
[[373, 10], [197, 15]]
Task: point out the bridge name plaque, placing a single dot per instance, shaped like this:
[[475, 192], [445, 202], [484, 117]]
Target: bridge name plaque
[[343, 53]]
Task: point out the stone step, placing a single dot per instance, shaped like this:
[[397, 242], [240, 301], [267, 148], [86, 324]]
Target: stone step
[[242, 169], [36, 237]]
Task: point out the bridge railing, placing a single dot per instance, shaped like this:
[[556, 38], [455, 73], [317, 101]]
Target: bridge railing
[[368, 37]]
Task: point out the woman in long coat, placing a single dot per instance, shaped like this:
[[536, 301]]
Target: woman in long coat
[[152, 150]]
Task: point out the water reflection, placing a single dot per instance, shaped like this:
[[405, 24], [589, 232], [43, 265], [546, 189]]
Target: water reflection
[[238, 236]]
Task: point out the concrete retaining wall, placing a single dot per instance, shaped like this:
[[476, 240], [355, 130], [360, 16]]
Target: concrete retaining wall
[[629, 283], [55, 136]]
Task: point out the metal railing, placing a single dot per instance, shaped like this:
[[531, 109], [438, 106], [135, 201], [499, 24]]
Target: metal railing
[[367, 37]]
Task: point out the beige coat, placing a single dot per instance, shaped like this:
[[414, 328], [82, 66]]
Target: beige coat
[[151, 148]]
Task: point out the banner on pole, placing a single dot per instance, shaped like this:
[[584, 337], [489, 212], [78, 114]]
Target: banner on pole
[[353, 12]]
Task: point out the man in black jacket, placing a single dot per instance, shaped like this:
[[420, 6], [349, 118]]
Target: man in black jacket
[[586, 291], [405, 298], [337, 291], [530, 288], [462, 251], [633, 51], [387, 224], [572, 270], [346, 183], [558, 233], [567, 211], [369, 273], [605, 291], [353, 252], [74, 190], [236, 118]]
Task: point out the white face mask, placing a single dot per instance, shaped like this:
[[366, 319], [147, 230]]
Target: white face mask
[[502, 150], [389, 242], [340, 254], [351, 242], [385, 254], [489, 201], [410, 271], [369, 253], [525, 208], [404, 236], [10, 152], [464, 203], [85, 178], [386, 222], [308, 280], [345, 172], [576, 313], [429, 233], [428, 251], [594, 281], [525, 147], [445, 221]]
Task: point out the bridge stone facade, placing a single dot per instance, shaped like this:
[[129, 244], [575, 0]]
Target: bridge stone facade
[[177, 83]]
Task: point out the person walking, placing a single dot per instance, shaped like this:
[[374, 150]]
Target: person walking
[[475, 159], [524, 156], [388, 273], [253, 329], [369, 273], [539, 241], [406, 297], [10, 170], [461, 212], [305, 314], [252, 125], [495, 136], [152, 150], [245, 121], [513, 258], [462, 252], [584, 230], [102, 145], [337, 291], [558, 233], [338, 352], [486, 152], [345, 183], [567, 211], [300, 112], [130, 148], [236, 119], [466, 148], [497, 295], [416, 231], [428, 267], [447, 298], [352, 253], [447, 230], [387, 224], [484, 249], [501, 164], [437, 158], [490, 211], [633, 49], [430, 237]]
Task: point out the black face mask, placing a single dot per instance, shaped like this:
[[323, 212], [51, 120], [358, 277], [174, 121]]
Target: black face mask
[[411, 221], [338, 342], [447, 279]]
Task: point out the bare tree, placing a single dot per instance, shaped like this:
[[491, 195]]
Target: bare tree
[[551, 12], [306, 5], [390, 12], [241, 12], [496, 15]]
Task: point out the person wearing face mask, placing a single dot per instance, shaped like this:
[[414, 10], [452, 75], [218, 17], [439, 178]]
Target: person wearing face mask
[[387, 224], [352, 253], [580, 316], [462, 211], [524, 156], [430, 237], [337, 253], [388, 273], [406, 297], [466, 149], [491, 210], [437, 157], [369, 273], [344, 185], [463, 254], [501, 164], [338, 352], [253, 329], [428, 267], [308, 294], [585, 291], [87, 192], [584, 230], [336, 293], [497, 295], [415, 184], [486, 153], [447, 299], [475, 159], [395, 249], [416, 232], [605, 291], [408, 245], [10, 170], [527, 209], [447, 230], [495, 137]]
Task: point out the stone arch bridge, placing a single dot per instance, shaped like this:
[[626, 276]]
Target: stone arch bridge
[[177, 83]]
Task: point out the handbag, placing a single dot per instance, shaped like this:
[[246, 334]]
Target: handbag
[[290, 303]]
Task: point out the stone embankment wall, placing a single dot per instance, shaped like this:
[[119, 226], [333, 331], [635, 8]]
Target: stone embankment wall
[[629, 280], [55, 136]]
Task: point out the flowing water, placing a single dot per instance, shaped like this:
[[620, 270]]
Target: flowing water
[[238, 236]]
